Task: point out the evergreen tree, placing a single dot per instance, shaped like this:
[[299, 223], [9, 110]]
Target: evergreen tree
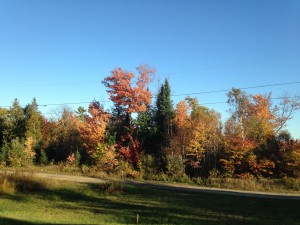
[[80, 113], [4, 123], [164, 115], [146, 129], [33, 122], [16, 126]]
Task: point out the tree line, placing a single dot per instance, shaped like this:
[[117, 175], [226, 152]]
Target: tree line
[[151, 138]]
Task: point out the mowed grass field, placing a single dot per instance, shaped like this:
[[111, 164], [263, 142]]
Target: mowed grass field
[[115, 203]]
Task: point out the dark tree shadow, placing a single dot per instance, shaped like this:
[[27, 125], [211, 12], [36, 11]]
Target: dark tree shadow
[[158, 206]]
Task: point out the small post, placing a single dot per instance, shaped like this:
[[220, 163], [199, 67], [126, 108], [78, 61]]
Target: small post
[[137, 218]]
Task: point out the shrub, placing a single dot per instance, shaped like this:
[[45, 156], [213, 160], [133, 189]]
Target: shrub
[[43, 158], [16, 154], [125, 170], [175, 166], [149, 167], [29, 153], [6, 187], [71, 159], [18, 182], [290, 183], [112, 188], [4, 153], [106, 158], [77, 158]]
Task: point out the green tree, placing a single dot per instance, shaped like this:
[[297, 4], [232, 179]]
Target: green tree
[[164, 115], [33, 122], [4, 125], [61, 137], [16, 155], [81, 113], [238, 102], [146, 129], [16, 126]]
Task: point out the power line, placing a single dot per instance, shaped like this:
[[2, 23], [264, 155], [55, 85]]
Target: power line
[[206, 103], [58, 104], [51, 84], [68, 103], [186, 94], [216, 103], [242, 88], [78, 103]]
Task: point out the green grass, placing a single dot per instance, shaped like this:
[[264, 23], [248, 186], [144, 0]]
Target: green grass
[[69, 203]]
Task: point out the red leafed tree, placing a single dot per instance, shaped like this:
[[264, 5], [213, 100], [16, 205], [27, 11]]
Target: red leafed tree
[[131, 149], [130, 97]]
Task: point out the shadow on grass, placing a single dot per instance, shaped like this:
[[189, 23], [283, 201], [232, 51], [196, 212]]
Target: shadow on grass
[[9, 221], [12, 197], [156, 206]]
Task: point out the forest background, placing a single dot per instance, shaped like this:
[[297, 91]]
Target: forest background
[[144, 139]]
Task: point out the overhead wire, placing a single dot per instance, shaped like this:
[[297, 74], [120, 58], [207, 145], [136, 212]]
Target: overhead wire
[[49, 84], [216, 103], [242, 88], [185, 94]]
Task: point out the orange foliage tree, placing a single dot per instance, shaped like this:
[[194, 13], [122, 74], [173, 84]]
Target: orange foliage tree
[[124, 94], [92, 129], [130, 98], [181, 122]]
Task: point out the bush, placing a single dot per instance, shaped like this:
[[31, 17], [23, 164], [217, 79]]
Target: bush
[[16, 154], [4, 153], [106, 159], [290, 183], [43, 158], [18, 182], [175, 166], [6, 187], [112, 188], [149, 167], [124, 169], [77, 158]]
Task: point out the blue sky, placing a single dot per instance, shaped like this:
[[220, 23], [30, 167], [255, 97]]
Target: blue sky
[[60, 51]]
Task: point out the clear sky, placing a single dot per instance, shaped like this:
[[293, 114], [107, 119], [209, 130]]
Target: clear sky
[[60, 51]]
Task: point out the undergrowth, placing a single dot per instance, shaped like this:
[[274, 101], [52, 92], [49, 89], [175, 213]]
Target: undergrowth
[[11, 183]]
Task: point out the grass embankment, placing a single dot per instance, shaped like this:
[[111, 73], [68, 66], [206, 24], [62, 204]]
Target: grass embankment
[[282, 185], [40, 202]]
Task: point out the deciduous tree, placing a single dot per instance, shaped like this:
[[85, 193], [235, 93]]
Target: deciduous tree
[[129, 98], [93, 129]]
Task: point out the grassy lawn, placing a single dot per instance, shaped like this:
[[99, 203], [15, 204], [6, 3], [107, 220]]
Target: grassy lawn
[[69, 203]]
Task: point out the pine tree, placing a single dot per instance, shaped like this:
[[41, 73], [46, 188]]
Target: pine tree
[[33, 122], [164, 115], [16, 126]]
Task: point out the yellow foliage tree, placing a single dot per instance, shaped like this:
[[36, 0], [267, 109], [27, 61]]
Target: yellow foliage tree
[[92, 129]]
